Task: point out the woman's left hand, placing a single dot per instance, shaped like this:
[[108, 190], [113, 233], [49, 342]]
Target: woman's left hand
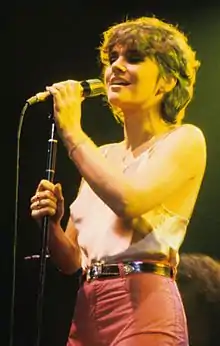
[[67, 99]]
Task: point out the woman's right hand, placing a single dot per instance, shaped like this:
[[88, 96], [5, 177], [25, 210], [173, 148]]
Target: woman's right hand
[[47, 201]]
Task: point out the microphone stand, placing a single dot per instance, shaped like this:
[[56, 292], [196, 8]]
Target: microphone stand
[[50, 172]]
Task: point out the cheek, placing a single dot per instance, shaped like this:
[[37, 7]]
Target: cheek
[[148, 83], [106, 74], [148, 75]]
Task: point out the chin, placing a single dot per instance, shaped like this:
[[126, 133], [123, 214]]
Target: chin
[[116, 100]]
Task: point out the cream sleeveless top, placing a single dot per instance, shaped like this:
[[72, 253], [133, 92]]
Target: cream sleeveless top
[[156, 235]]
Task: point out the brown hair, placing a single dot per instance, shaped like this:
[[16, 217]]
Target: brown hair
[[169, 47]]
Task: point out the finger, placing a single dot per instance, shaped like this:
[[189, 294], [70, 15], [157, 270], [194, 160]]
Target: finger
[[60, 200], [41, 195], [45, 185], [57, 96], [61, 87], [58, 90], [34, 204], [74, 88], [58, 192], [43, 203], [39, 213], [78, 90]]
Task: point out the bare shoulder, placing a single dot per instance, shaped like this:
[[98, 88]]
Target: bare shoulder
[[193, 132], [187, 147], [189, 137]]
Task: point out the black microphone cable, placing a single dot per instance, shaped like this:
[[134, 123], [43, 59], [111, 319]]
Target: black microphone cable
[[15, 234]]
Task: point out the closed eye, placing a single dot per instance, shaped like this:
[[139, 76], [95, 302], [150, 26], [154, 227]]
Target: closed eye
[[133, 56], [113, 56]]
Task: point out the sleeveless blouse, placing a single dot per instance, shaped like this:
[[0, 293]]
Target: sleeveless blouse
[[155, 236]]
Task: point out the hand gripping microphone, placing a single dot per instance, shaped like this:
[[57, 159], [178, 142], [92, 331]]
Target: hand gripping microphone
[[90, 88]]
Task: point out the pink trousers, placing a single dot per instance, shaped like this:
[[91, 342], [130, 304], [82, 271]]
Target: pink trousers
[[141, 309]]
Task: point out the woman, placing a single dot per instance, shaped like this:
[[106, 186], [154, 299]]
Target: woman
[[137, 196]]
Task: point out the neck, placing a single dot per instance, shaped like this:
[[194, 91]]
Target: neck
[[140, 128]]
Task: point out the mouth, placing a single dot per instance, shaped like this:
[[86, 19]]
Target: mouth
[[119, 82]]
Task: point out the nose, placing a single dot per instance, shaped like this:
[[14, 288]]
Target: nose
[[119, 66]]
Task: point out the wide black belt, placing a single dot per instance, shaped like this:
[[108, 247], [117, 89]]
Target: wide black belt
[[102, 270]]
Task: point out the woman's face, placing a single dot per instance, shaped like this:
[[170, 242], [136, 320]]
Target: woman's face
[[130, 79]]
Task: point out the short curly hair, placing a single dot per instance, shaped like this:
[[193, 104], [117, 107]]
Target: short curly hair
[[165, 44], [198, 279]]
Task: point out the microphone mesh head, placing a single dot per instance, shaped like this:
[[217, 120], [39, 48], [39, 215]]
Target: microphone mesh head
[[93, 87]]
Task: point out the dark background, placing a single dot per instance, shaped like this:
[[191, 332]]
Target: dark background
[[58, 40]]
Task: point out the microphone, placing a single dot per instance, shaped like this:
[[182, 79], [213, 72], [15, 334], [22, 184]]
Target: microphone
[[90, 88]]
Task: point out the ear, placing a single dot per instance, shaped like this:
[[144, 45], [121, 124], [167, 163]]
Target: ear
[[166, 84]]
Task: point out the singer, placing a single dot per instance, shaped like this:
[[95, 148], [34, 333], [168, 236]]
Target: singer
[[136, 197]]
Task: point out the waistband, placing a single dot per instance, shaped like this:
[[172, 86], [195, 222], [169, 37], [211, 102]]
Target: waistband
[[101, 270]]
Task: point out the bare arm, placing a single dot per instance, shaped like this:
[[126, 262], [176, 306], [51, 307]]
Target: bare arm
[[63, 247], [181, 159]]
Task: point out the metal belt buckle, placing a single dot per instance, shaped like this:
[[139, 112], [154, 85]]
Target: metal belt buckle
[[128, 268], [94, 271]]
